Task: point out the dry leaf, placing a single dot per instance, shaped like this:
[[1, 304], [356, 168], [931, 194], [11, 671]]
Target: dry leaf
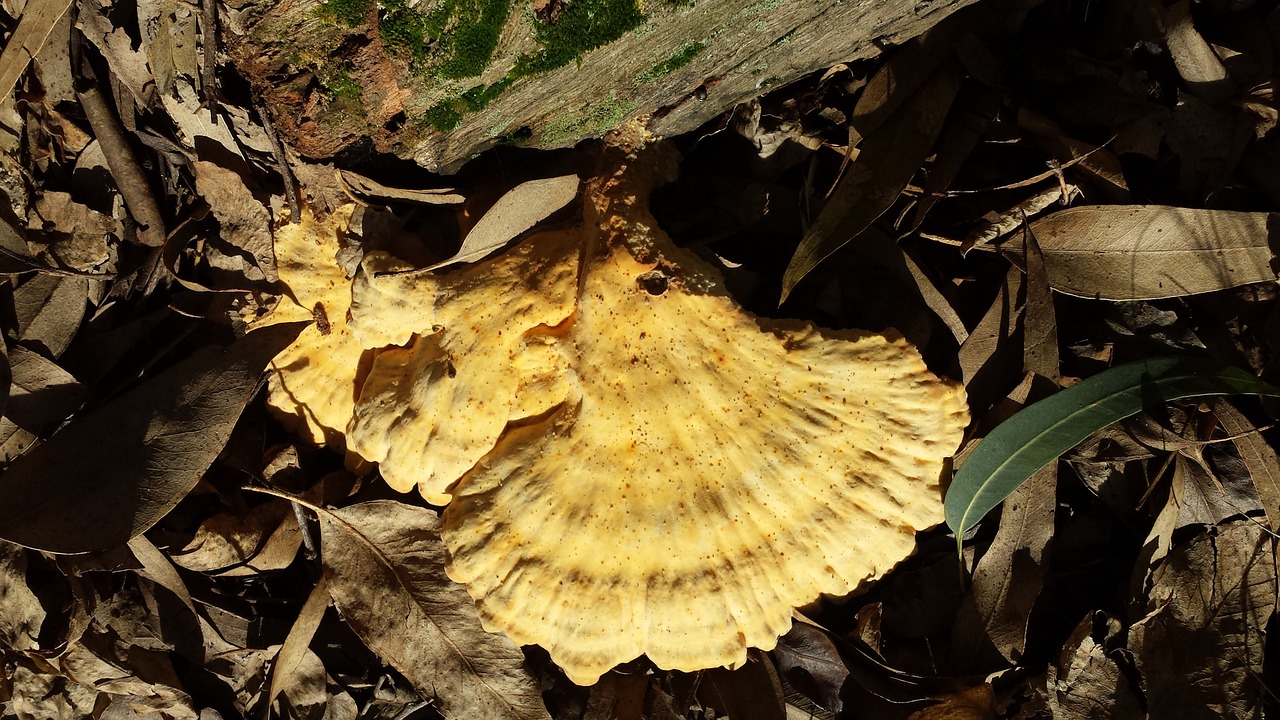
[[384, 564], [1258, 456], [37, 21], [43, 695], [872, 182], [362, 188], [296, 643], [122, 466], [43, 395], [244, 222], [1039, 322], [1199, 650], [997, 225], [20, 611], [157, 568], [617, 696], [1008, 579], [73, 234], [169, 40], [975, 703], [809, 662], [1087, 682], [229, 539], [1149, 251], [49, 309], [993, 334], [752, 692], [1197, 63], [524, 206]]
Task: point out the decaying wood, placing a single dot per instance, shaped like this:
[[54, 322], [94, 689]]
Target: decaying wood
[[334, 71]]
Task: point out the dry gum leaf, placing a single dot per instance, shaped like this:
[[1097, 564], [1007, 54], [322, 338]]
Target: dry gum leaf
[[122, 466], [1144, 252], [360, 187], [49, 309], [36, 22], [524, 206], [384, 568]]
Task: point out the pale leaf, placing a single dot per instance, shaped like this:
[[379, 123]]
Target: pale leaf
[[384, 563], [1144, 252], [1259, 457], [524, 206], [37, 21]]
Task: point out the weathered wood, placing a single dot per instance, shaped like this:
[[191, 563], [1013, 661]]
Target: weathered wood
[[442, 81]]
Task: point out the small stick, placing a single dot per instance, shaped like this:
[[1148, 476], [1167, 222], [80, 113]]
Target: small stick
[[282, 164], [121, 159]]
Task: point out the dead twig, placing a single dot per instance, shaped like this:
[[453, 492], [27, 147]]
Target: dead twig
[[121, 159], [282, 164]]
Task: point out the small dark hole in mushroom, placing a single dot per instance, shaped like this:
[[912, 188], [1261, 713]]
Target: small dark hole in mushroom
[[453, 371], [653, 282]]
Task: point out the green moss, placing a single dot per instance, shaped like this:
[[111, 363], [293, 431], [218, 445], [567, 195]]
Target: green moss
[[444, 116], [404, 29], [478, 97], [682, 57], [343, 87], [583, 26], [346, 12], [455, 39], [597, 120]]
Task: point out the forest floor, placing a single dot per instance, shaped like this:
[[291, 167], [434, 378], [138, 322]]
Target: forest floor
[[1029, 202]]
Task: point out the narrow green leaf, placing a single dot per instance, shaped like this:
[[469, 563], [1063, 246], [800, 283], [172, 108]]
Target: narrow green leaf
[[1041, 432]]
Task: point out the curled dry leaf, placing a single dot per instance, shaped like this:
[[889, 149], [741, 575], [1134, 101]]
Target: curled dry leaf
[[1143, 252], [361, 187], [227, 539], [810, 662], [384, 566], [122, 466]]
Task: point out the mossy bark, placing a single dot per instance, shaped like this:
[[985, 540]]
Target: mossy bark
[[442, 80]]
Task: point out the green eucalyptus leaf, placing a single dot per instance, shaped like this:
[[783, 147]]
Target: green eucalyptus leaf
[[1042, 431]]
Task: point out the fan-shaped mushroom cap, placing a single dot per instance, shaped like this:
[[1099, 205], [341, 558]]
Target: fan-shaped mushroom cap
[[430, 410], [312, 385], [665, 473]]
